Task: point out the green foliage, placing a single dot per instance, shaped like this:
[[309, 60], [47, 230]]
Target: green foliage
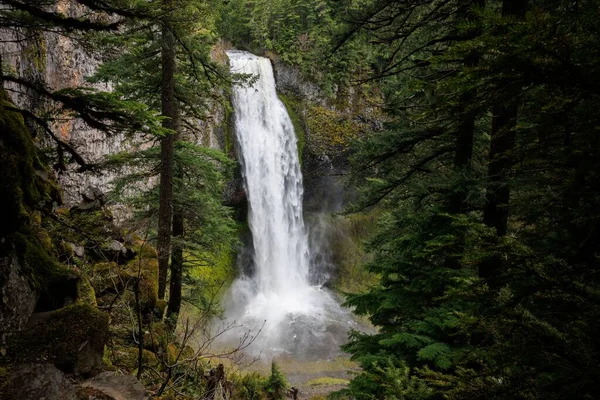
[[210, 234], [446, 329], [347, 246], [276, 385], [386, 381], [133, 60], [254, 386], [251, 387], [301, 34]]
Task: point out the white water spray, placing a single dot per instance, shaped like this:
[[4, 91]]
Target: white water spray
[[298, 318]]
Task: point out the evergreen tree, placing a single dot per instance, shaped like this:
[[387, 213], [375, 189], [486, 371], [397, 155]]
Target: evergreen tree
[[474, 297], [176, 42]]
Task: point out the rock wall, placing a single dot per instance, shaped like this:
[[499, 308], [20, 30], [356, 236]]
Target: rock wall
[[60, 62], [325, 126]]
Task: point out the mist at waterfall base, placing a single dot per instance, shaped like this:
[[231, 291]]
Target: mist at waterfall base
[[274, 299]]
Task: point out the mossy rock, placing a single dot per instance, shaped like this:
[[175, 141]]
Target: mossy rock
[[104, 278], [71, 338], [156, 337], [46, 275], [25, 184], [125, 358], [19, 160], [85, 292], [147, 270], [161, 306], [293, 107]]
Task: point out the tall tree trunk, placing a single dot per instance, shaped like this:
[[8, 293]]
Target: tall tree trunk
[[504, 119], [169, 110], [466, 126], [176, 265]]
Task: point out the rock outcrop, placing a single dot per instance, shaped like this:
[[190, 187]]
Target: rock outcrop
[[18, 299], [117, 387], [39, 381]]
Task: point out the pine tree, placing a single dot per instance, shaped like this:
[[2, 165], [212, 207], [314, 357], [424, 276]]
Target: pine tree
[[177, 42], [474, 300]]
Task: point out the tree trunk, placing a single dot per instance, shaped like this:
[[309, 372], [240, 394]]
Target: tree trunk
[[176, 269], [169, 110], [466, 125], [504, 119]]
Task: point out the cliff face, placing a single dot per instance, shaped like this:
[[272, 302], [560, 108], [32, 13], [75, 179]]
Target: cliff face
[[325, 125], [60, 62]]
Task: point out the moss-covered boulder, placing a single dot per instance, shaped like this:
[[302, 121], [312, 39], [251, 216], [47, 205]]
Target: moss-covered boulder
[[125, 358], [71, 338], [25, 183], [27, 191], [143, 270]]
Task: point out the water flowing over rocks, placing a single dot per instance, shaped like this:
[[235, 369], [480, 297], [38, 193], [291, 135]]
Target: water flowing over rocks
[[278, 299]]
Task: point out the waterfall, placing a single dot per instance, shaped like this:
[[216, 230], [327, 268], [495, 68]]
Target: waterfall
[[273, 180], [296, 318]]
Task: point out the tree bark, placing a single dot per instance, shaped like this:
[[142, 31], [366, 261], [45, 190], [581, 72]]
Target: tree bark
[[169, 110], [466, 126], [504, 119], [176, 268]]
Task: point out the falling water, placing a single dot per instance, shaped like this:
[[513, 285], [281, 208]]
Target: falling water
[[296, 318]]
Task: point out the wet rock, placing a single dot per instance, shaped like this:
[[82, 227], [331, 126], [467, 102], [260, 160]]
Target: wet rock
[[17, 300], [93, 199], [116, 247], [79, 251], [117, 387], [116, 251], [71, 338], [39, 381]]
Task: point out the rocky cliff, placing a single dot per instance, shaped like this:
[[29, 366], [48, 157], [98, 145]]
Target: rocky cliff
[[60, 62]]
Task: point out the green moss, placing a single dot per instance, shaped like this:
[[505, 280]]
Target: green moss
[[85, 292], [125, 358], [147, 270], [331, 131], [228, 130], [212, 272], [38, 262], [161, 306], [326, 380], [347, 247], [59, 338], [35, 53], [20, 187], [25, 189], [293, 106]]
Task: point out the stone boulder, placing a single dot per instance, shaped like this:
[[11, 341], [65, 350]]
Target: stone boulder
[[17, 299], [117, 387], [39, 381], [71, 338], [93, 199]]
